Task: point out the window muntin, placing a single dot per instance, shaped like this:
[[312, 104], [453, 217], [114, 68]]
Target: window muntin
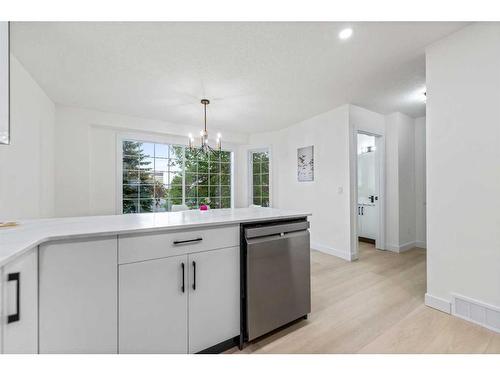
[[157, 176], [260, 178]]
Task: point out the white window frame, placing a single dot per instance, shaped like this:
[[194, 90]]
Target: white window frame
[[250, 172], [163, 139]]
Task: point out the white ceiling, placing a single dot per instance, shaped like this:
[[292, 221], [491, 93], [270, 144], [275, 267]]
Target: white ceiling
[[258, 76]]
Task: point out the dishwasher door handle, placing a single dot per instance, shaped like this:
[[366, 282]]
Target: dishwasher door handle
[[278, 229]]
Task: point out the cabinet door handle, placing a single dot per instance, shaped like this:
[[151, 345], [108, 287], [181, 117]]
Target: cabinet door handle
[[16, 276], [183, 278], [188, 241], [194, 275], [362, 210]]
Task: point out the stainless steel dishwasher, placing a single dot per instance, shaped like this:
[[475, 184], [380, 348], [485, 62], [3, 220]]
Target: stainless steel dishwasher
[[276, 277]]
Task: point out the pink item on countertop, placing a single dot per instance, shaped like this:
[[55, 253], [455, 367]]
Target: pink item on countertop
[[203, 207]]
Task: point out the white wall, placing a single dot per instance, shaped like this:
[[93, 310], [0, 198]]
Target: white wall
[[329, 133], [400, 182], [463, 173], [420, 194], [86, 165], [406, 161], [27, 164]]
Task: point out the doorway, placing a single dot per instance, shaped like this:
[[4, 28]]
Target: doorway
[[369, 178]]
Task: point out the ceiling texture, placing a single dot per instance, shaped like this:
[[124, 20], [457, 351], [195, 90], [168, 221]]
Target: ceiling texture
[[259, 76]]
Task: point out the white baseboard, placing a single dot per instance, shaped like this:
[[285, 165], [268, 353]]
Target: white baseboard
[[401, 248], [421, 244], [438, 303], [331, 251], [476, 312], [407, 246]]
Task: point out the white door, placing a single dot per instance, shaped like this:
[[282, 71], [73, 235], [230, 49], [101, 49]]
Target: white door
[[214, 297], [78, 307], [360, 222], [369, 219], [20, 303], [153, 306]]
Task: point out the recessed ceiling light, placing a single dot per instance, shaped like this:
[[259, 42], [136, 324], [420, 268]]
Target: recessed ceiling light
[[345, 33]]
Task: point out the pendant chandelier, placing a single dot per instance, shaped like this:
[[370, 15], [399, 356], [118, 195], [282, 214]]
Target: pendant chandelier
[[204, 146]]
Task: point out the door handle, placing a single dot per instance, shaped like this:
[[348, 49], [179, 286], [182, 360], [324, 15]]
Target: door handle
[[188, 241], [362, 210], [16, 276], [183, 288], [194, 275]]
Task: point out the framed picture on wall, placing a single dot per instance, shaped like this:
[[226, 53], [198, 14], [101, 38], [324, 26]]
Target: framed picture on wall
[[305, 164], [4, 84]]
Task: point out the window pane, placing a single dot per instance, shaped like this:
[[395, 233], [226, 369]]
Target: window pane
[[146, 163], [225, 156], [215, 202], [225, 168], [176, 178], [130, 191], [265, 158], [225, 203], [256, 168], [203, 179], [146, 177], [146, 205], [175, 193], [215, 156], [192, 191], [257, 201], [257, 191], [162, 151], [130, 177], [226, 191], [162, 205], [214, 167], [177, 152], [203, 167], [191, 178], [265, 202], [225, 179], [256, 158], [264, 167], [130, 162], [214, 191], [146, 191], [256, 179], [148, 149], [203, 191], [175, 201], [161, 165], [130, 206], [191, 203], [265, 179], [190, 155]]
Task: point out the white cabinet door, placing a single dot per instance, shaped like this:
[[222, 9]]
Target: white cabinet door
[[214, 297], [78, 306], [20, 304], [153, 306], [360, 222], [370, 221]]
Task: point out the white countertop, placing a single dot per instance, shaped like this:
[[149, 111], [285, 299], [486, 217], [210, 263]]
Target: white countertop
[[14, 241]]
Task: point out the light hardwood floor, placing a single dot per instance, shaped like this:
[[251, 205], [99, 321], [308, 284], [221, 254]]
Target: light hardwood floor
[[374, 305]]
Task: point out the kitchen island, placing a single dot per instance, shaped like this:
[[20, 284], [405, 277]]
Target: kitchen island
[[140, 283]]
